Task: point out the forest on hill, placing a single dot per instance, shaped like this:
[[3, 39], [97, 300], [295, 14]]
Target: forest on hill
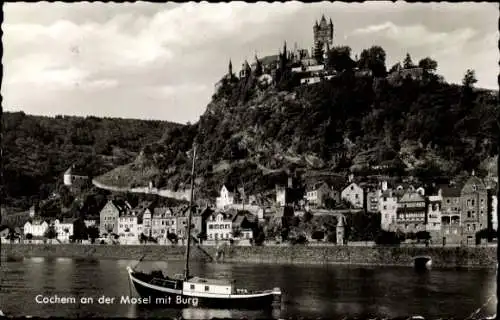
[[251, 134], [37, 150], [254, 134]]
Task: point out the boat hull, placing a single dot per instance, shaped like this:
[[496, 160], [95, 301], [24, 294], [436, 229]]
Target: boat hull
[[160, 296]]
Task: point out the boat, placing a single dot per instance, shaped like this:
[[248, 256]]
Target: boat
[[188, 291]]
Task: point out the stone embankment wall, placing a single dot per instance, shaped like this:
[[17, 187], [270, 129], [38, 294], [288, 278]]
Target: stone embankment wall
[[401, 256]]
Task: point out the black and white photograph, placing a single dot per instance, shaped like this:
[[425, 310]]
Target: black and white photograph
[[267, 160]]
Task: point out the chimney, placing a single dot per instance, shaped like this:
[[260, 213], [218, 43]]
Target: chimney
[[384, 185]]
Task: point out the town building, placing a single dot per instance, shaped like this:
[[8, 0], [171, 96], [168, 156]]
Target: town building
[[219, 226], [36, 228], [388, 204], [4, 233], [434, 214], [163, 222], [128, 228], [91, 222], [318, 194], [109, 215], [146, 223], [353, 194], [64, 229], [451, 223], [242, 226], [75, 179], [411, 212], [226, 197], [373, 200], [474, 213]]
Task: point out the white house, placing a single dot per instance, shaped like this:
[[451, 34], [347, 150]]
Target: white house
[[226, 198], [434, 213], [128, 228], [219, 227], [36, 228], [64, 229], [388, 205], [146, 223], [281, 199], [353, 194]]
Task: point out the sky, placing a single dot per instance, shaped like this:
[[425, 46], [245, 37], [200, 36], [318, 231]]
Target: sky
[[161, 61]]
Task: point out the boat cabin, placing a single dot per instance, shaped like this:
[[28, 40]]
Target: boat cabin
[[197, 285]]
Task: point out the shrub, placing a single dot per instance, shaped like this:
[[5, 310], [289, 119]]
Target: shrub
[[387, 238], [318, 235]]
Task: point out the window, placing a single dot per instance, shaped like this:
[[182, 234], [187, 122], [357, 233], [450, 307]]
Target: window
[[468, 227], [469, 214], [468, 203], [385, 199], [207, 288], [191, 287], [472, 201], [352, 187], [447, 200], [356, 196]]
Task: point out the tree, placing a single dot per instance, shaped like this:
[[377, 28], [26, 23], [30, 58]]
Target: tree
[[387, 238], [50, 233], [172, 237], [428, 64], [339, 59], [407, 62], [423, 235], [374, 60], [236, 233], [93, 233], [258, 67], [469, 78], [307, 216], [318, 235]]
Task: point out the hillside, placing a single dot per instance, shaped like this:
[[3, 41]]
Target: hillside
[[250, 136], [37, 150]]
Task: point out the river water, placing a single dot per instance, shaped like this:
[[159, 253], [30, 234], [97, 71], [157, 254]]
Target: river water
[[327, 292]]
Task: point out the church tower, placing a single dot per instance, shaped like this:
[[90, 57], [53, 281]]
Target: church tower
[[230, 68]]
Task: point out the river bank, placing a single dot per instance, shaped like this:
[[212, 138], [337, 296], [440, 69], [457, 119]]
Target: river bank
[[453, 257]]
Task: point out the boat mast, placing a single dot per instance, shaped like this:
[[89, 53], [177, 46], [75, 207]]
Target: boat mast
[[190, 210]]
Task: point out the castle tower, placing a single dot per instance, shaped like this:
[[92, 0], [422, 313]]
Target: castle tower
[[323, 34]]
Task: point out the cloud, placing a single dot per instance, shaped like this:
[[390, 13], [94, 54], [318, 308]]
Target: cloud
[[161, 60], [417, 35]]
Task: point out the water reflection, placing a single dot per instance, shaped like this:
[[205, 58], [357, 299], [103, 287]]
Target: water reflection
[[308, 291]]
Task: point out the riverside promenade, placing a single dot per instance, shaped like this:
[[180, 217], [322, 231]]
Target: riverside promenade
[[442, 257]]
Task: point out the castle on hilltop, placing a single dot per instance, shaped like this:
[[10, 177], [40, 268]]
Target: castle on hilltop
[[310, 64]]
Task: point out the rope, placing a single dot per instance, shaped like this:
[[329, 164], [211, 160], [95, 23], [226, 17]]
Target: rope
[[475, 313]]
